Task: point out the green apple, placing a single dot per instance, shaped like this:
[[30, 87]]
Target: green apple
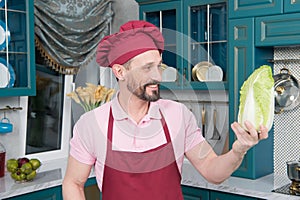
[[35, 163], [26, 168], [31, 176], [12, 165]]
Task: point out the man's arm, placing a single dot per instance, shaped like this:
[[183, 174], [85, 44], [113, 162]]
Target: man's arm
[[217, 169], [76, 175]]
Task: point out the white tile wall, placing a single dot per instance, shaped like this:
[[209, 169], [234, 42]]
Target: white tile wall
[[287, 124]]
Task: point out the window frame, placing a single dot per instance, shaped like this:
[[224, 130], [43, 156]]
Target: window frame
[[63, 152]]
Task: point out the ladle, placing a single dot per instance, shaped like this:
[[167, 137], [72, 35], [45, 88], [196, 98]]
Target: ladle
[[203, 121], [216, 134]]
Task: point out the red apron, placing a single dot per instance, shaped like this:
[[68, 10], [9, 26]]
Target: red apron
[[136, 176]]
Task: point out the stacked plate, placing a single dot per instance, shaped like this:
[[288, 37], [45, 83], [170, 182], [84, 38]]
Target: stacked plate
[[206, 71], [169, 74], [7, 74], [2, 3], [4, 35]]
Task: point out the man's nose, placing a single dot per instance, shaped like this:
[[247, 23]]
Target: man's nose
[[157, 74]]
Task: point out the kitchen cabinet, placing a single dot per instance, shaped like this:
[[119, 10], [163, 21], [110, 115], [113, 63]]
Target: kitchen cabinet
[[205, 28], [244, 58], [224, 196], [291, 6], [55, 193], [194, 193], [250, 8], [19, 53], [167, 16], [186, 42], [272, 30]]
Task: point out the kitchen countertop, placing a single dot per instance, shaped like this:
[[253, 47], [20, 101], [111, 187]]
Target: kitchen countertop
[[51, 174]]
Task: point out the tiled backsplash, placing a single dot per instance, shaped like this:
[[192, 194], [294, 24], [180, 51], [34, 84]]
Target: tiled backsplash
[[211, 100], [286, 124]]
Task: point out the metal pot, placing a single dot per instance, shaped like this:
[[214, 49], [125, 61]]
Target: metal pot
[[293, 170], [286, 91]]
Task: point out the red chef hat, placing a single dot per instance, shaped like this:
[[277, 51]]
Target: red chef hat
[[133, 38]]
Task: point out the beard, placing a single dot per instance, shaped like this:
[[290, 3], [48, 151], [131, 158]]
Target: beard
[[141, 92]]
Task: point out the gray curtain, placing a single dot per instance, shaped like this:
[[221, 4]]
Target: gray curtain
[[67, 32]]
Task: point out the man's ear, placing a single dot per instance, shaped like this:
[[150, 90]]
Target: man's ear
[[119, 71]]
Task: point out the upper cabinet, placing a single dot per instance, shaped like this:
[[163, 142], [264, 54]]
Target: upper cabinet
[[17, 60], [250, 8], [291, 6], [195, 40], [167, 17], [205, 31]]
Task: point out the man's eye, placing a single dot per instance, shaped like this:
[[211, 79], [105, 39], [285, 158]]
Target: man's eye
[[147, 67]]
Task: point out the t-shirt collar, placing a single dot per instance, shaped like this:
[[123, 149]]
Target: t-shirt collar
[[120, 114]]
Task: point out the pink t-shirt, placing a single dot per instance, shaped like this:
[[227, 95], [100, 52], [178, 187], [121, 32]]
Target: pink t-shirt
[[88, 144]]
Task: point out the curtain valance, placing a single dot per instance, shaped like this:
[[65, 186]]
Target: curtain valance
[[67, 32]]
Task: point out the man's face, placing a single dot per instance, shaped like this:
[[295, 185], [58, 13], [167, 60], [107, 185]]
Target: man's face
[[144, 75]]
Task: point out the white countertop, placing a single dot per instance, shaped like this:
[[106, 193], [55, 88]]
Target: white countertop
[[51, 174]]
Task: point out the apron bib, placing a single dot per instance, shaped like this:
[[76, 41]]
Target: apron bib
[[149, 175]]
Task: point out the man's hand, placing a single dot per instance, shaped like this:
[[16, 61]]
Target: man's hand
[[246, 140]]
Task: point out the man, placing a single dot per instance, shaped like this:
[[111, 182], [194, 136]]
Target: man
[[137, 142]]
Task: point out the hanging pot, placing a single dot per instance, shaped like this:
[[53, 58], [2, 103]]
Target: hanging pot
[[287, 91]]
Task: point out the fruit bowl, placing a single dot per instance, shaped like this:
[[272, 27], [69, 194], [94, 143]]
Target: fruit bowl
[[23, 169]]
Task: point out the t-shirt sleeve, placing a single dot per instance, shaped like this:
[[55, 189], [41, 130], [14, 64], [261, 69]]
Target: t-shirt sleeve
[[79, 151], [192, 130]]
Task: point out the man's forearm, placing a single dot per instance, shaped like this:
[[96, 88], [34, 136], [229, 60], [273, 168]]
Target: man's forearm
[[223, 166]]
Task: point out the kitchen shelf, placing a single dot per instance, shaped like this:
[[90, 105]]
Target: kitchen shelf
[[10, 108], [284, 60]]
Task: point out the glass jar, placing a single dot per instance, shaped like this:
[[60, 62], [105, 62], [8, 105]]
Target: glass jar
[[2, 160]]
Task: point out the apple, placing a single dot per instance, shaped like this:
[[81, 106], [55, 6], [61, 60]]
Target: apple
[[22, 161]]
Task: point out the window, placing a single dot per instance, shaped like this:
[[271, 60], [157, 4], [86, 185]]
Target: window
[[48, 124]]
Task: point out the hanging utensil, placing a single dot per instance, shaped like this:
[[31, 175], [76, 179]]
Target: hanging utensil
[[203, 121], [216, 134]]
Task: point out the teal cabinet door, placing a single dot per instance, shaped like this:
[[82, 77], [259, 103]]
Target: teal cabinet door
[[250, 8], [167, 16], [192, 193], [291, 6], [18, 53], [54, 193], [272, 30], [191, 37], [244, 58], [226, 196], [205, 41]]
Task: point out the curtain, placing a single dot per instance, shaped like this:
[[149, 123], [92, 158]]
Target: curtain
[[67, 32]]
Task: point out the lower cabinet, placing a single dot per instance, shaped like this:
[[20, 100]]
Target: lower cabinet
[[55, 193], [193, 193]]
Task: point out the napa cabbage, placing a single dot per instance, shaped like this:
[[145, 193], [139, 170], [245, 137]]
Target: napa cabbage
[[257, 99]]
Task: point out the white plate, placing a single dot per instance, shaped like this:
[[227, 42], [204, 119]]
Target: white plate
[[7, 74], [214, 73], [2, 2], [169, 74], [3, 34]]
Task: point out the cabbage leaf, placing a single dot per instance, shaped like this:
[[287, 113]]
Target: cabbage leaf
[[257, 99]]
